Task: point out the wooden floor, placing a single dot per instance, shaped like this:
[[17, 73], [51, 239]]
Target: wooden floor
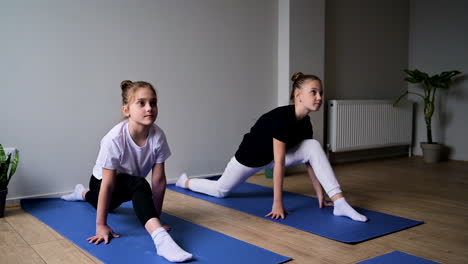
[[434, 193]]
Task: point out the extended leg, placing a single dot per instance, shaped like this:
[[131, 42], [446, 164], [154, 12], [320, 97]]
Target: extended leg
[[234, 174]]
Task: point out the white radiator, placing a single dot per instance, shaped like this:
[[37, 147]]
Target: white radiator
[[366, 124]]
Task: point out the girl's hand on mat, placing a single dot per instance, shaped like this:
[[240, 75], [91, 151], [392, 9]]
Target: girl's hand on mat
[[322, 202], [277, 212], [166, 227], [102, 234]]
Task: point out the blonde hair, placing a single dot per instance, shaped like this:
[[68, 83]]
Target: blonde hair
[[298, 79], [129, 88]]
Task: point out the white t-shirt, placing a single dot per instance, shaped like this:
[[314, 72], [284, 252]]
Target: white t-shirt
[[120, 153]]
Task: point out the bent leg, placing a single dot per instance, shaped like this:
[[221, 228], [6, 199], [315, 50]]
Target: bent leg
[[139, 191], [119, 195], [310, 151]]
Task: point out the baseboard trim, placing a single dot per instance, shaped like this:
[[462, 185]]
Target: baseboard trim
[[12, 202], [15, 201], [367, 154]]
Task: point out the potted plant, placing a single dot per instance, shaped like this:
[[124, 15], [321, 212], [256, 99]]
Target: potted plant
[[6, 172], [431, 150]]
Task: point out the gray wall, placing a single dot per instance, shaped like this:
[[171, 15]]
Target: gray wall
[[366, 48], [283, 83], [213, 63], [438, 42], [307, 47]]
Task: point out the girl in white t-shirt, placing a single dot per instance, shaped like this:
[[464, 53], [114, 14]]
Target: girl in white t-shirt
[[127, 154]]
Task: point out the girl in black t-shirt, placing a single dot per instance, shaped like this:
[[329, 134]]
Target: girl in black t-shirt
[[280, 138]]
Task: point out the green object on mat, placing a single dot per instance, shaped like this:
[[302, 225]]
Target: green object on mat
[[269, 173]]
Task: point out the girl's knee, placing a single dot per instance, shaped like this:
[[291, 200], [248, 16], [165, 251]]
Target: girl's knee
[[312, 144], [312, 148], [141, 184], [113, 206], [221, 192]]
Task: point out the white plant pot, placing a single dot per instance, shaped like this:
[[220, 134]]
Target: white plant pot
[[431, 152]]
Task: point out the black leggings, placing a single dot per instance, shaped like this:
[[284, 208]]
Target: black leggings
[[126, 188]]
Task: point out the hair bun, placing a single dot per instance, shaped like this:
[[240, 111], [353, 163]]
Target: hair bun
[[296, 76], [125, 84]]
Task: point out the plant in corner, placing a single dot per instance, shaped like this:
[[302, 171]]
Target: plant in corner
[[6, 172], [430, 84]]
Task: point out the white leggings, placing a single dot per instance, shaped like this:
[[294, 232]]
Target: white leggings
[[235, 173]]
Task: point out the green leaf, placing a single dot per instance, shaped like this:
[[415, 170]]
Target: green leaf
[[419, 75], [444, 85], [13, 166], [5, 176], [452, 73], [411, 80], [415, 76], [407, 71], [444, 74], [433, 81], [4, 172], [2, 154], [444, 79], [449, 74]]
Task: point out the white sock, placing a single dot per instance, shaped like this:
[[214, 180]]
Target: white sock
[[76, 195], [342, 208], [182, 180], [167, 248]]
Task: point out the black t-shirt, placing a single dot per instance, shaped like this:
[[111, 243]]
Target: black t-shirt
[[256, 149]]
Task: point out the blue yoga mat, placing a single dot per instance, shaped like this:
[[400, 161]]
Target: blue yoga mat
[[397, 257], [306, 215], [76, 221]]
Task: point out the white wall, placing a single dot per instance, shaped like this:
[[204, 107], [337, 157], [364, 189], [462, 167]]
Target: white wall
[[438, 42], [214, 64], [366, 48], [307, 48], [301, 47], [283, 52]]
